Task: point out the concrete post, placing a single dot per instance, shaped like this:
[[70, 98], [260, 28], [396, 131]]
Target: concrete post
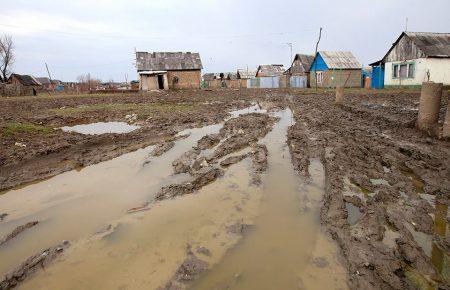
[[446, 129], [430, 101], [339, 95]]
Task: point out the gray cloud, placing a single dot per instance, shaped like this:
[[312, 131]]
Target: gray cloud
[[99, 37]]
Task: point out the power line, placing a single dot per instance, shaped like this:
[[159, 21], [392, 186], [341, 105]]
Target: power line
[[158, 37]]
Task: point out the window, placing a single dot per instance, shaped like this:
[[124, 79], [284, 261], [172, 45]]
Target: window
[[319, 77], [403, 70], [395, 71], [411, 71]]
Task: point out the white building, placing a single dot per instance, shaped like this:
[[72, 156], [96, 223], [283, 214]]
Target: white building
[[417, 57]]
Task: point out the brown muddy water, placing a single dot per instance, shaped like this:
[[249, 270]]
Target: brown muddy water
[[101, 128], [285, 247]]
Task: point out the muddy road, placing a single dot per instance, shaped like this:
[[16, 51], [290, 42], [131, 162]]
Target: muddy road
[[245, 189]]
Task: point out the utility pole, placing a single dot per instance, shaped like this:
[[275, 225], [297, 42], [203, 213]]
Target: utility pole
[[290, 45], [315, 55], [46, 66]]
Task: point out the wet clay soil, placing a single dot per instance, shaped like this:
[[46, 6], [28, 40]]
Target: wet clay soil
[[197, 210]]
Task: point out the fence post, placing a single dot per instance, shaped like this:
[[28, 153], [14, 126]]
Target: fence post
[[446, 129], [339, 95], [430, 101]]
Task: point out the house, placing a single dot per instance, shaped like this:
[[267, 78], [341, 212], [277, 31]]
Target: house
[[413, 58], [334, 69], [270, 70], [168, 70], [28, 85], [298, 73], [301, 64]]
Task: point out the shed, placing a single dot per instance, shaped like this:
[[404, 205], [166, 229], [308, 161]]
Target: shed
[[335, 68], [29, 84], [245, 74], [413, 58], [168, 70]]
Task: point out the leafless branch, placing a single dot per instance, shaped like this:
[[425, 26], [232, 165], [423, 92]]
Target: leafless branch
[[6, 56]]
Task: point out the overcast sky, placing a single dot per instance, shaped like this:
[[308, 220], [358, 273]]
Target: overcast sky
[[99, 37]]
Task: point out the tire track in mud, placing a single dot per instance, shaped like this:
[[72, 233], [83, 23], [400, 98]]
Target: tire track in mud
[[372, 164]]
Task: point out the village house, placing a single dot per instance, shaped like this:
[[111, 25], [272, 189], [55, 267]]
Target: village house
[[24, 84], [335, 69], [299, 71], [168, 70], [244, 74], [415, 57]]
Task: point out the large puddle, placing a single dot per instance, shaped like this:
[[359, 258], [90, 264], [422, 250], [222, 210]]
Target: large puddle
[[284, 248], [101, 128]]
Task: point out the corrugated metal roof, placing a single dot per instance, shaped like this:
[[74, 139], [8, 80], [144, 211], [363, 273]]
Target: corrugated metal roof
[[432, 44], [244, 74], [270, 70], [340, 60], [161, 61]]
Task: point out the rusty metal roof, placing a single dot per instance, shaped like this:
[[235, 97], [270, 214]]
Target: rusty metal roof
[[432, 44], [270, 70], [340, 60], [161, 61]]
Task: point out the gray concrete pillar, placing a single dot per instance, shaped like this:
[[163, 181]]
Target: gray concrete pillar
[[430, 101], [446, 128], [339, 95]]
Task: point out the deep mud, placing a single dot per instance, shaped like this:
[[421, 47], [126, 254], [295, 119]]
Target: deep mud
[[385, 201], [31, 265], [378, 161]]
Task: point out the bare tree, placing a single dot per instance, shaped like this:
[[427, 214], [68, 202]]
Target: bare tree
[[6, 56]]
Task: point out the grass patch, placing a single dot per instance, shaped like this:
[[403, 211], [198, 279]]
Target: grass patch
[[18, 128], [142, 110]]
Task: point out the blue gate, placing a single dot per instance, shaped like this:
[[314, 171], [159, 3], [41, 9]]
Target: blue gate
[[377, 77]]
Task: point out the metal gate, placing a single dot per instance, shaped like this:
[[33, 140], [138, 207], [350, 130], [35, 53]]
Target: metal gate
[[269, 82], [298, 81]]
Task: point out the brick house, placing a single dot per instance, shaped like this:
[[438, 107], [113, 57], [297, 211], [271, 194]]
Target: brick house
[[168, 70]]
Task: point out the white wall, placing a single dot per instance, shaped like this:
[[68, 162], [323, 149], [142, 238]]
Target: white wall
[[439, 72]]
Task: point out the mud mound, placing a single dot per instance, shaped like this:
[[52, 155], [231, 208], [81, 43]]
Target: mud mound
[[201, 178], [31, 265], [17, 231]]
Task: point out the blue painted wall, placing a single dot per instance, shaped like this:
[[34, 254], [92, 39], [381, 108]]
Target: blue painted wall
[[377, 81], [318, 63]]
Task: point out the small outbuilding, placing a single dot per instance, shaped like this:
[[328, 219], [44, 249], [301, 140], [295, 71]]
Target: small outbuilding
[[26, 84], [168, 70], [298, 73], [415, 57], [334, 69]]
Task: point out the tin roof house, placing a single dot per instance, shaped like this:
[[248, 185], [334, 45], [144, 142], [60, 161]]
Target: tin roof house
[[334, 69], [413, 58], [168, 70]]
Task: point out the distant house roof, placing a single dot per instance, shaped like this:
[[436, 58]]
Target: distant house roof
[[165, 61], [270, 70], [340, 60], [245, 74], [43, 80], [208, 77], [26, 80], [301, 64]]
